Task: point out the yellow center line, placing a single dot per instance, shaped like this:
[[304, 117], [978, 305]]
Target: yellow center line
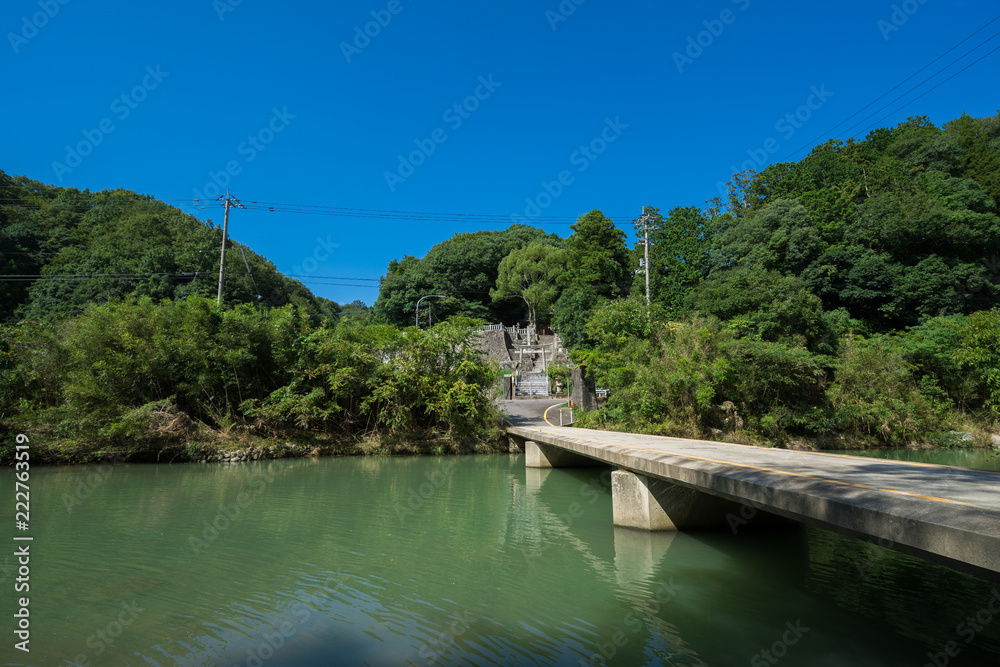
[[780, 472], [545, 415], [909, 463]]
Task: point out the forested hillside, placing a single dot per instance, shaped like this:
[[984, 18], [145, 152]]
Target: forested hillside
[[112, 346], [892, 229], [96, 247], [849, 297]]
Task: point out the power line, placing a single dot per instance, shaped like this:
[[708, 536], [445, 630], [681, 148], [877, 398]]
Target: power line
[[15, 277], [415, 216], [311, 209], [925, 81], [249, 272], [935, 87], [313, 282], [813, 141], [301, 275]]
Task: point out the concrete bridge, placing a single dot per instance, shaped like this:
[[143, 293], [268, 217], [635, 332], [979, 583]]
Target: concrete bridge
[[941, 513]]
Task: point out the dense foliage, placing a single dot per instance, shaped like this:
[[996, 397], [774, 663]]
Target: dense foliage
[[849, 297], [530, 273], [495, 276], [137, 378], [464, 268], [96, 247]]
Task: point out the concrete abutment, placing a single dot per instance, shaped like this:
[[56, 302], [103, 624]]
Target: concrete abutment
[[648, 503], [537, 455]]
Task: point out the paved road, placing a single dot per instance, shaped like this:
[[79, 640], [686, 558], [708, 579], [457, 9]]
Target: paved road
[[529, 411], [933, 509]]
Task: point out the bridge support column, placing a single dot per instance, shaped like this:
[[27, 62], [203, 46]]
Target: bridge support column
[[648, 503], [537, 455]]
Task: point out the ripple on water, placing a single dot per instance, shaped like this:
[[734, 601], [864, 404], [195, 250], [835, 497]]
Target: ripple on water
[[469, 560]]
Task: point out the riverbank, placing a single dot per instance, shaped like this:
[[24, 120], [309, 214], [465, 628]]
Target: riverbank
[[175, 438], [235, 449], [171, 437]]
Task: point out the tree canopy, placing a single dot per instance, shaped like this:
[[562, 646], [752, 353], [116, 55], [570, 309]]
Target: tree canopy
[[98, 247], [596, 256], [530, 273], [464, 268]]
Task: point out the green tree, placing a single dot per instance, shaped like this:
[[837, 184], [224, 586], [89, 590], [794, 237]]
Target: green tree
[[570, 314], [979, 351], [531, 273], [116, 243], [779, 237], [875, 396], [596, 256], [464, 267], [763, 304], [679, 255]]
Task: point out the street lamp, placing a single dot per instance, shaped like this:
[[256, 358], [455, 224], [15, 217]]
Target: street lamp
[[429, 296]]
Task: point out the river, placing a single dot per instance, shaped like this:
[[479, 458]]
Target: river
[[453, 561]]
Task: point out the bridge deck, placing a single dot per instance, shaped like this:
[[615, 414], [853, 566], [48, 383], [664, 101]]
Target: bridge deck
[[947, 514]]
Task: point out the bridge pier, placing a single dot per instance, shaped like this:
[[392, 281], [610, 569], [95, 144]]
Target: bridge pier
[[537, 455], [647, 503]]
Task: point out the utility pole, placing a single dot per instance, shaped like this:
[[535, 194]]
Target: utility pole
[[229, 201], [416, 317], [645, 232]]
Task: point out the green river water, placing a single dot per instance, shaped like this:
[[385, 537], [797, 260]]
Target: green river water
[[449, 561]]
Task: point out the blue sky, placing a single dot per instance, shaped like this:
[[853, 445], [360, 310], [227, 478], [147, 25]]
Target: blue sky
[[542, 110]]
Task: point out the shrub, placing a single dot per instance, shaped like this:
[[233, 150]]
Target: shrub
[[875, 396]]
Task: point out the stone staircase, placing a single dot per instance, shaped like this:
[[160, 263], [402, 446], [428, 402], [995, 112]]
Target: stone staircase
[[532, 384]]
